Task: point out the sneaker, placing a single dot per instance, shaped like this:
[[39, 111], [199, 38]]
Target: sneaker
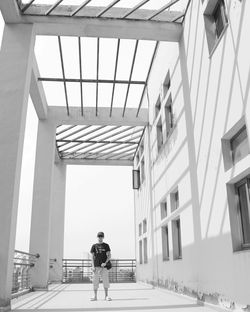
[[108, 298], [93, 299]]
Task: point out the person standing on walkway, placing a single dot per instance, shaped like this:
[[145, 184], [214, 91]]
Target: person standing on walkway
[[100, 257]]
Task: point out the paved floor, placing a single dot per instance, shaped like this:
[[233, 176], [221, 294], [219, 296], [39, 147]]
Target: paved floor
[[125, 297]]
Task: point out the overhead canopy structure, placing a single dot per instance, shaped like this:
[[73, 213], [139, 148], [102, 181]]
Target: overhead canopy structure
[[160, 10], [96, 54], [98, 142]]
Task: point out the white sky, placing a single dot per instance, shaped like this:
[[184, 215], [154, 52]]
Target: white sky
[[97, 199]]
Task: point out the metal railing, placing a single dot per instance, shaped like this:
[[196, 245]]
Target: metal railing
[[23, 262], [80, 271]]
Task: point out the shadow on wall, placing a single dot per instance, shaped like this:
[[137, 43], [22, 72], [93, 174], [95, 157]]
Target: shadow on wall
[[221, 272]]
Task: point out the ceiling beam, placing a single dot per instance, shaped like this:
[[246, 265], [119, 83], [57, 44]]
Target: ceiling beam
[[106, 28], [94, 162], [89, 26], [58, 115], [94, 11], [37, 93]]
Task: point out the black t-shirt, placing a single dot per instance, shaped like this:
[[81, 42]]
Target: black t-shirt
[[99, 250]]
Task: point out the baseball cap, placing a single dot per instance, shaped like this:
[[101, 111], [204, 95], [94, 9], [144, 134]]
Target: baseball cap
[[100, 234]]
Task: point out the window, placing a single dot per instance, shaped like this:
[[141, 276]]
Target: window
[[239, 145], [145, 249], [215, 19], [165, 243], [140, 229], [163, 206], [142, 166], [176, 231], [144, 226], [159, 134], [136, 179], [174, 197], [243, 210], [169, 116], [220, 18], [157, 107], [166, 86], [140, 251]]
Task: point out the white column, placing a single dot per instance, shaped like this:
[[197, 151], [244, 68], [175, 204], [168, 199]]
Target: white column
[[57, 222], [16, 59], [41, 205]]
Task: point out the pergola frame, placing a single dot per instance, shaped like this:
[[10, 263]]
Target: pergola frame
[[100, 22]]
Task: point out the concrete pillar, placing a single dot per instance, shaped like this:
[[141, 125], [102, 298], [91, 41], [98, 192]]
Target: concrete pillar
[[16, 59], [42, 202], [57, 222]]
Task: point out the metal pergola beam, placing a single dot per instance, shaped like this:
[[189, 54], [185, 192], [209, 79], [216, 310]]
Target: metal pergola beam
[[58, 116], [114, 81], [93, 144], [105, 28], [101, 148], [107, 8], [63, 73], [135, 8], [75, 140], [115, 73], [111, 146], [162, 9], [94, 162], [147, 78], [130, 76]]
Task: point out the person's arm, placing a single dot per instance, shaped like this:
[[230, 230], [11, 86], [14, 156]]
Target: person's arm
[[92, 257]]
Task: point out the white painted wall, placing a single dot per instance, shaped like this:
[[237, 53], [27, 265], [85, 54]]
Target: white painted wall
[[206, 103]]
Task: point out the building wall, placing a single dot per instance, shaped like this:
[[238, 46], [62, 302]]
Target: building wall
[[210, 96]]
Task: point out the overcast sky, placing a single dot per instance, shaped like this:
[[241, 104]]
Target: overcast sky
[[97, 199]]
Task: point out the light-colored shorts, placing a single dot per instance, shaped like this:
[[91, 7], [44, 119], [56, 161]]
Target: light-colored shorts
[[104, 274]]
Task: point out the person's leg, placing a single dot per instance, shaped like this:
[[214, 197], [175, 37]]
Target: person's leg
[[105, 280], [95, 283]]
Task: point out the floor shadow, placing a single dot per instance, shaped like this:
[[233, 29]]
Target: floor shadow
[[137, 308]]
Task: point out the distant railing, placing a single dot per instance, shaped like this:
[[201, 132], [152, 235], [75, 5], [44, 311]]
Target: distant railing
[[23, 262], [80, 271]]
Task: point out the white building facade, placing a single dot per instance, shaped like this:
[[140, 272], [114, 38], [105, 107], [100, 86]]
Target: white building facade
[[192, 206]]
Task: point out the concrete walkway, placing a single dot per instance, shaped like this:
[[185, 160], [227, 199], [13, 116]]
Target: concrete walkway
[[125, 297]]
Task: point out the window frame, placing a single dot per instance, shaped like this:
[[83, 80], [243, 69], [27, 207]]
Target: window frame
[[145, 250], [232, 149], [165, 243], [245, 181], [169, 117], [222, 15], [164, 206], [140, 252], [144, 226], [175, 204], [177, 240], [213, 39], [159, 135]]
